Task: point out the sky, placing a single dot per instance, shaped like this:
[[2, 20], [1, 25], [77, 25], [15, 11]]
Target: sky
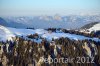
[[48, 7]]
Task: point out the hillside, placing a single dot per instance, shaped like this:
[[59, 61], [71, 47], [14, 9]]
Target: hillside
[[7, 33], [40, 44], [6, 23], [95, 27], [87, 26], [3, 22], [55, 21]]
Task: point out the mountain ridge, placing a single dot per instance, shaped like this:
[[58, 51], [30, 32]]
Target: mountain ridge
[[67, 22], [87, 26]]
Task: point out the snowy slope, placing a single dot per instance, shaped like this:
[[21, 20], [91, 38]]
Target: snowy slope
[[95, 27], [7, 33], [49, 36], [25, 32]]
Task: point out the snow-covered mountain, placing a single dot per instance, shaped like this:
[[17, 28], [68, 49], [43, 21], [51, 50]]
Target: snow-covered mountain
[[87, 26], [56, 21], [11, 23], [95, 27], [91, 27], [8, 33]]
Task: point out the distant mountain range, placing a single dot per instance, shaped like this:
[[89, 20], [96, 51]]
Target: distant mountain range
[[57, 21], [11, 23]]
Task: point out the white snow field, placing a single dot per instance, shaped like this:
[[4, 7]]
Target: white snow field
[[95, 27], [49, 36], [6, 33]]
